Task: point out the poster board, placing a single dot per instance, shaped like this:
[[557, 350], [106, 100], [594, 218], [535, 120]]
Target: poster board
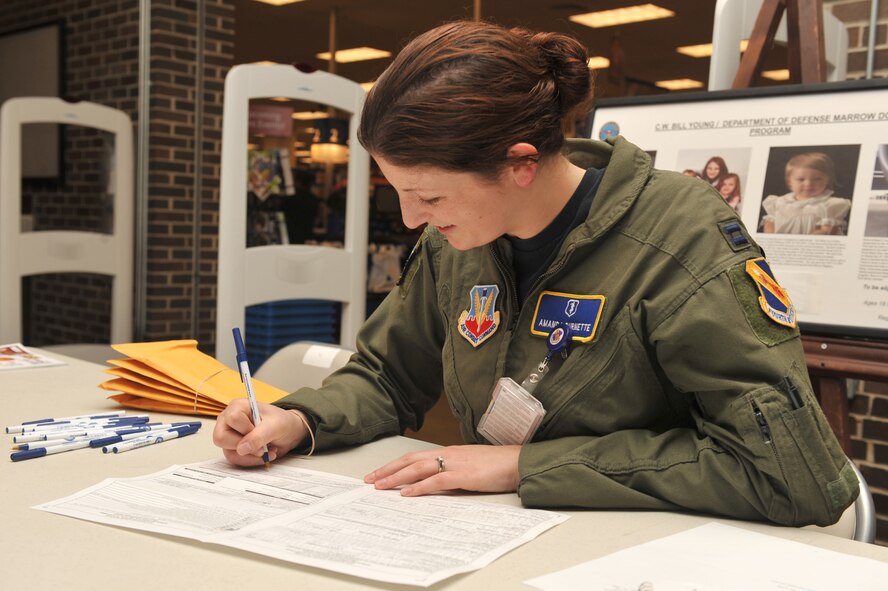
[[812, 138]]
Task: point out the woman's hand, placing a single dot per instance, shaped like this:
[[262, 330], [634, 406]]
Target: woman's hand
[[242, 442], [480, 468]]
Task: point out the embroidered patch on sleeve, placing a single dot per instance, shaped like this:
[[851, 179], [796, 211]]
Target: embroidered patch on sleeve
[[773, 299], [766, 330]]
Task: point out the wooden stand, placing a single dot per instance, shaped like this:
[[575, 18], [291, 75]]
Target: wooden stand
[[830, 361], [804, 32]]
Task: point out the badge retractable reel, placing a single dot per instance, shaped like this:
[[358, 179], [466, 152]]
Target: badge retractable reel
[[514, 415]]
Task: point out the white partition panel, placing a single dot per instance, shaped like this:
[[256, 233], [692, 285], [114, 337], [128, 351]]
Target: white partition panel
[[256, 275], [33, 253]]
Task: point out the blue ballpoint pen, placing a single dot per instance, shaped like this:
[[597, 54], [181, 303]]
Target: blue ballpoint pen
[[106, 441], [244, 369]]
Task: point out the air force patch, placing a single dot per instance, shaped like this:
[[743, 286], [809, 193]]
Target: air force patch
[[773, 299], [480, 321]]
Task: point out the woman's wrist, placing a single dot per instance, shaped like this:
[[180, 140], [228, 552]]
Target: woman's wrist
[[304, 420]]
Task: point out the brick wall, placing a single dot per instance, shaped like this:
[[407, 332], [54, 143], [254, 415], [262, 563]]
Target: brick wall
[[856, 16], [869, 446], [184, 166], [869, 408], [102, 66]]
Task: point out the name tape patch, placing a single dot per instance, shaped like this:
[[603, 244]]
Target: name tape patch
[[581, 313]]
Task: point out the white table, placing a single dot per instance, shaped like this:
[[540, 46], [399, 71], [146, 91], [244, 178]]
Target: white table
[[45, 551]]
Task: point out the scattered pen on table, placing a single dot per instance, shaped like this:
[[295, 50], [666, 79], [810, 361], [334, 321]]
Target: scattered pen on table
[[167, 432], [53, 436], [76, 430], [105, 436], [151, 439], [107, 415], [244, 367], [63, 425]]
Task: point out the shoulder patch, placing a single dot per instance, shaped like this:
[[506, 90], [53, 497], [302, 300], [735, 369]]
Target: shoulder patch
[[411, 267], [734, 232], [773, 299], [766, 328]]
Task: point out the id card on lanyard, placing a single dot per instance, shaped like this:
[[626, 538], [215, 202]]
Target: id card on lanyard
[[514, 414]]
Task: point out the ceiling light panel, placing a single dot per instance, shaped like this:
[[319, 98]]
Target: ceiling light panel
[[679, 84], [278, 2], [622, 16], [776, 74], [705, 49], [597, 62], [356, 54]]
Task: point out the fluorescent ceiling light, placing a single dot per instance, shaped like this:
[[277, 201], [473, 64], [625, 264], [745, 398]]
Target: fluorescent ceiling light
[[278, 2], [622, 16], [356, 54], [597, 62], [679, 84], [776, 74], [309, 115], [705, 49]]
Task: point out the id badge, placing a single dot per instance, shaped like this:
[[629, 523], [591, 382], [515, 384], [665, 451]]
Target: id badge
[[513, 415]]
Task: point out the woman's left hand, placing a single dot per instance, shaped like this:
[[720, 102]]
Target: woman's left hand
[[479, 468]]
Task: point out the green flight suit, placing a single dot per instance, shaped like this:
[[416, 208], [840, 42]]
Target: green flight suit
[[676, 403]]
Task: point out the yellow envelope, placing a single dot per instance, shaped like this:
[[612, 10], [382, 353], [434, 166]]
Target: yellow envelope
[[174, 376]]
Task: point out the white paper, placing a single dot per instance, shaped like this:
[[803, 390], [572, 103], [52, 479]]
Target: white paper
[[717, 557], [17, 356], [313, 518]]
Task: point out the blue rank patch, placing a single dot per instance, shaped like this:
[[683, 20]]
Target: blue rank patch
[[581, 313], [773, 299]]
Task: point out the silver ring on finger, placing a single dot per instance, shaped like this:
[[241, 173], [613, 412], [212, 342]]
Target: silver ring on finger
[[441, 467]]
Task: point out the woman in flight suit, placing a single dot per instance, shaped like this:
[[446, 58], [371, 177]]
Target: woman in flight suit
[[684, 384]]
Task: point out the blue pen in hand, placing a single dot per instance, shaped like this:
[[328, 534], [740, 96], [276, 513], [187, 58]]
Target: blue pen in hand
[[244, 369]]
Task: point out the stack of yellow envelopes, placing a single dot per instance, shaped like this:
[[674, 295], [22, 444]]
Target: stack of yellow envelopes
[[173, 376]]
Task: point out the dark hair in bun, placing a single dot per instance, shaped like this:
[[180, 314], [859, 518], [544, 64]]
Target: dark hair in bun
[[458, 96]]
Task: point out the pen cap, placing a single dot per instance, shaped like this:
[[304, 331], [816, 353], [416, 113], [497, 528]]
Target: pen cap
[[240, 351], [28, 454]]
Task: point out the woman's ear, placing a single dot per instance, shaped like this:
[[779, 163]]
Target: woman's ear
[[524, 160]]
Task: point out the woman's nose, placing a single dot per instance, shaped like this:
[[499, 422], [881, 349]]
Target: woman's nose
[[412, 213]]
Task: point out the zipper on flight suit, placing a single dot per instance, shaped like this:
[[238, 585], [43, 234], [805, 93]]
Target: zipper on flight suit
[[762, 423], [513, 286], [763, 426]]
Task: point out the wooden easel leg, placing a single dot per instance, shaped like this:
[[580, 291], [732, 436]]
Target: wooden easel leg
[[805, 46], [760, 39], [834, 401], [805, 20]]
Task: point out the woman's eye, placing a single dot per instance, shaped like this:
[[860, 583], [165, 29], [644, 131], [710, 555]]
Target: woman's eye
[[430, 200]]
